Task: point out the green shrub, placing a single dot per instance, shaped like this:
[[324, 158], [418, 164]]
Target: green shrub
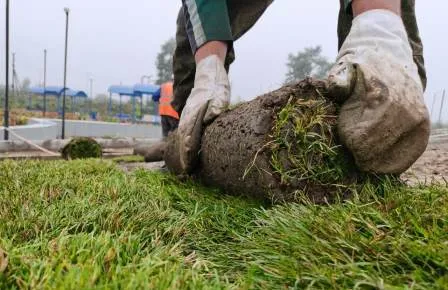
[[82, 148]]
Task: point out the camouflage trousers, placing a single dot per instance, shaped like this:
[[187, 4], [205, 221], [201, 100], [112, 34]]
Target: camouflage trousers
[[199, 23]]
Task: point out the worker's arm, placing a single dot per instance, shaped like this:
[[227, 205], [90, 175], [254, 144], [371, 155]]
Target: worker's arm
[[207, 20], [383, 121], [209, 33]]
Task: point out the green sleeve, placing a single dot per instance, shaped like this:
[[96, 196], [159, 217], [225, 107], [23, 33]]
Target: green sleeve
[[207, 20]]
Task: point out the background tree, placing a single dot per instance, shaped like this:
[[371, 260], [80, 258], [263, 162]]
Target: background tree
[[308, 62], [164, 62]]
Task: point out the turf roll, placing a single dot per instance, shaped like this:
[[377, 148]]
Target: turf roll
[[281, 146]]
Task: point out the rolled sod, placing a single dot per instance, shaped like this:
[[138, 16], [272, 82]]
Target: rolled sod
[[281, 146]]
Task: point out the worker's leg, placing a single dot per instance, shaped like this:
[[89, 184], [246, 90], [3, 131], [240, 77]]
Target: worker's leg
[[407, 13], [169, 124], [242, 16], [165, 126], [155, 151]]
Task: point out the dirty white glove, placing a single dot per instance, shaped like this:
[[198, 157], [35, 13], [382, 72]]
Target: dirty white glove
[[209, 97], [384, 121]]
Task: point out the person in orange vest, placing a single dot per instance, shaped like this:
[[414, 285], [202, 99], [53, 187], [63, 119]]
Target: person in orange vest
[[169, 116], [169, 119]]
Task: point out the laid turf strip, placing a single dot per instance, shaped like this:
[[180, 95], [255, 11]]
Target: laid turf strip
[[89, 225]]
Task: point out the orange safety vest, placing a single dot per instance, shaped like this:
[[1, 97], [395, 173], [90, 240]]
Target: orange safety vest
[[166, 97]]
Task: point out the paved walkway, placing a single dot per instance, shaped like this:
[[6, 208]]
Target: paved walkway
[[153, 166], [431, 167], [107, 153]]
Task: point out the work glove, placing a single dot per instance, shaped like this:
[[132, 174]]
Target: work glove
[[383, 120], [209, 97]]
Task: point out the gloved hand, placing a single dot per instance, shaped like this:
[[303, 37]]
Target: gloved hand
[[384, 121], [209, 97]]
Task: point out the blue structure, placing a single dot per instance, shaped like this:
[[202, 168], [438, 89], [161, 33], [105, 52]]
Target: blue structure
[[57, 92], [135, 92], [126, 91], [75, 94], [122, 90], [49, 91], [149, 90]]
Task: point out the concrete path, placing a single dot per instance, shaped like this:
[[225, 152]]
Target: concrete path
[[45, 129], [432, 167], [130, 167], [37, 155]]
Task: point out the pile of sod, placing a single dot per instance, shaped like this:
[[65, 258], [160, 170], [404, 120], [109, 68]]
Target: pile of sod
[[88, 225]]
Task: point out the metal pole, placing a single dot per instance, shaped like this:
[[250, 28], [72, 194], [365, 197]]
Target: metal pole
[[441, 107], [433, 104], [110, 104], [142, 79], [91, 96], [13, 84], [120, 107], [67, 11], [134, 109], [141, 107], [6, 114], [45, 83], [91, 87]]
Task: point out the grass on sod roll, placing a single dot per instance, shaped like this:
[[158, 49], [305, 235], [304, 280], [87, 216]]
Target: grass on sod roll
[[86, 224], [303, 132]]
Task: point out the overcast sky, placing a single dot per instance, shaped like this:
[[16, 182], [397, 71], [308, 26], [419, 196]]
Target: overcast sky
[[117, 42]]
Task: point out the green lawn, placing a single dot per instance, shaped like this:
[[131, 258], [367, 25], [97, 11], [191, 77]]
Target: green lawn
[[86, 224]]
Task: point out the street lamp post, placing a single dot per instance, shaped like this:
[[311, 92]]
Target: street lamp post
[[91, 95], [45, 82], [441, 106], [91, 87], [67, 12], [6, 113], [142, 79]]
